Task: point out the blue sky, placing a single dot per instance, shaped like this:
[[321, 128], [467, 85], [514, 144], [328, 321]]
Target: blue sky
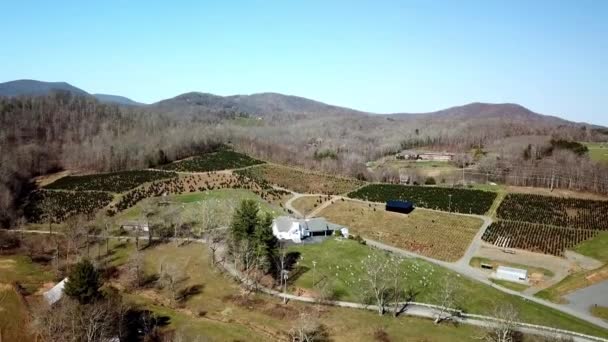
[[380, 56]]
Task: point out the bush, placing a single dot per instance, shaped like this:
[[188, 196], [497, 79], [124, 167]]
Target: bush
[[430, 181]]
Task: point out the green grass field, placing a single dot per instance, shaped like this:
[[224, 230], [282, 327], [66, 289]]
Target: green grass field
[[189, 206], [598, 151], [600, 311], [227, 316], [333, 257], [510, 285]]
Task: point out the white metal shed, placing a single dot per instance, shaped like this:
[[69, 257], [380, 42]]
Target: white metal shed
[[511, 274]]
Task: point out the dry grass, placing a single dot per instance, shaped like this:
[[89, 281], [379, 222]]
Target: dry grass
[[437, 235], [306, 205], [304, 181], [13, 315]]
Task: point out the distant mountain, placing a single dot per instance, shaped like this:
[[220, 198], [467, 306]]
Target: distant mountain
[[116, 99], [36, 88], [484, 111]]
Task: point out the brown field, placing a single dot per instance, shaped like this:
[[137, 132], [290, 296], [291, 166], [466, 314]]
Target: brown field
[[433, 234], [306, 205], [304, 181]]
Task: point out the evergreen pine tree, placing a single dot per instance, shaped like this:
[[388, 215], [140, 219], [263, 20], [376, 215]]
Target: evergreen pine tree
[[83, 283], [245, 221]]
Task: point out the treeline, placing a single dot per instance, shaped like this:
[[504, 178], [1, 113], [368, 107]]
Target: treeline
[[63, 131]]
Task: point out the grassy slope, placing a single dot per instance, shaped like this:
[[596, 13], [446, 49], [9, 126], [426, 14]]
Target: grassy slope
[[438, 235], [191, 206], [13, 315], [596, 248], [474, 297], [227, 319], [307, 204]]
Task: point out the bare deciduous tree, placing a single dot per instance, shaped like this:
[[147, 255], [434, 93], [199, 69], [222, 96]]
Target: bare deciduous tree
[[447, 299]]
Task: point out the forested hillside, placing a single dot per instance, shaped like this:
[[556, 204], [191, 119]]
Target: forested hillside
[[62, 130]]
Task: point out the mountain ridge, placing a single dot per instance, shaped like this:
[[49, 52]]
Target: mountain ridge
[[267, 103]]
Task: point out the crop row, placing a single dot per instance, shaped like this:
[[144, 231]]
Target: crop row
[[112, 182], [220, 160], [301, 181], [535, 237], [57, 206], [557, 211], [194, 183], [445, 199]]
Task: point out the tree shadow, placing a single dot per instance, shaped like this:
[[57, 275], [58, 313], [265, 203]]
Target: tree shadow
[[138, 325], [188, 292]]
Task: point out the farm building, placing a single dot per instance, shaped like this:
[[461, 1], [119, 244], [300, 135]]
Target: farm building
[[296, 230], [404, 207], [511, 274], [55, 293], [426, 156], [135, 226]]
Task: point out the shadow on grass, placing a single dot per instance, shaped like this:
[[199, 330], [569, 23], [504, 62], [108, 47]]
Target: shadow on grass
[[184, 294]]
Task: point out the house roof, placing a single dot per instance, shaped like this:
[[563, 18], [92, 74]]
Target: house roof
[[317, 224], [284, 223], [54, 294], [511, 270]]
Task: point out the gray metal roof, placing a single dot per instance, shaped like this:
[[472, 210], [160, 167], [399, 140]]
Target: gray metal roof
[[284, 223]]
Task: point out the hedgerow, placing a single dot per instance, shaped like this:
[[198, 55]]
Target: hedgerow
[[215, 161], [56, 206], [112, 182], [445, 199]]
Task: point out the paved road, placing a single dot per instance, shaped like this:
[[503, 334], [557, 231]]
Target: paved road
[[587, 297]]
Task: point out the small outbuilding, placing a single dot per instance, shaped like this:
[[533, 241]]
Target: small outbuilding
[[404, 207], [511, 274], [54, 294]]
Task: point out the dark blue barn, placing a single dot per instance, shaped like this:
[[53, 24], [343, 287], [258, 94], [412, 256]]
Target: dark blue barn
[[404, 207]]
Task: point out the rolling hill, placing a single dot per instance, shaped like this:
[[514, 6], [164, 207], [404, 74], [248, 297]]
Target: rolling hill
[[116, 99], [36, 88]]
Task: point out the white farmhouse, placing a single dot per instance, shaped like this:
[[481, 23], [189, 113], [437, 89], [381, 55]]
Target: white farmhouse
[[296, 230], [511, 274]]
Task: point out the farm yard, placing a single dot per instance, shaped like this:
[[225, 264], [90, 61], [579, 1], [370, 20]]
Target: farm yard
[[301, 181], [445, 199], [116, 182], [214, 161], [535, 237], [437, 235]]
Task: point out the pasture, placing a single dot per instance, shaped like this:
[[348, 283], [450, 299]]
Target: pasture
[[434, 234], [334, 258], [598, 151]]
